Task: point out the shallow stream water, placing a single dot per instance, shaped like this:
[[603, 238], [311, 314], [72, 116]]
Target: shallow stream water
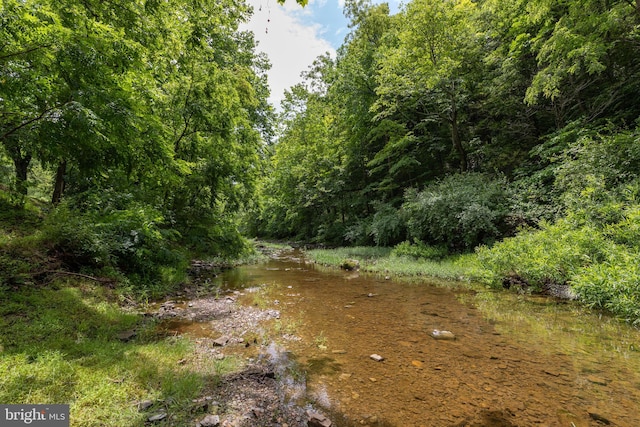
[[516, 360]]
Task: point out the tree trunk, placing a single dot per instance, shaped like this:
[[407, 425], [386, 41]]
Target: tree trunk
[[58, 188], [455, 134], [21, 164]]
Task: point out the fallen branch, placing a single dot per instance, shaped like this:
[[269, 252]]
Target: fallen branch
[[69, 273]]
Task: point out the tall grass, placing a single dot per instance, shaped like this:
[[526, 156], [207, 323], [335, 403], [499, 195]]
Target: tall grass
[[381, 260]]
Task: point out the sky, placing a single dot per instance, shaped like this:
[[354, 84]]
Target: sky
[[293, 36]]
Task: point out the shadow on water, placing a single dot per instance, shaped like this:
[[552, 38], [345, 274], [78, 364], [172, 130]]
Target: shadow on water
[[516, 360]]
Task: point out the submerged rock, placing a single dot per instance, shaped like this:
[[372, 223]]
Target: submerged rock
[[443, 335]]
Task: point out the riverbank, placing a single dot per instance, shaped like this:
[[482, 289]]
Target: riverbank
[[452, 270], [141, 364]]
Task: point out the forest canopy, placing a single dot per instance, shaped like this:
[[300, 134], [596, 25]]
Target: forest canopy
[[506, 91]]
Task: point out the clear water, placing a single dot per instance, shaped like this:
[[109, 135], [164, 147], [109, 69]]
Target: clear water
[[516, 360]]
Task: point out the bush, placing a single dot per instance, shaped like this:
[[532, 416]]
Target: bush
[[418, 249], [552, 255], [461, 211], [131, 241], [387, 226], [359, 233], [613, 285]]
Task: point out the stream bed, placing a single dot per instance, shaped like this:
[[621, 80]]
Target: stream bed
[[515, 361]]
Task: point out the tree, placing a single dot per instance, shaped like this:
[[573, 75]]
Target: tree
[[164, 100], [428, 67], [353, 93], [302, 193]]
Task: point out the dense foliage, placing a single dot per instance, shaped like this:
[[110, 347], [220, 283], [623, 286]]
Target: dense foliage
[[505, 89], [142, 120]]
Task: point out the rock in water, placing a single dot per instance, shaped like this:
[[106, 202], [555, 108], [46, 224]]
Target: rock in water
[[350, 264], [443, 335]]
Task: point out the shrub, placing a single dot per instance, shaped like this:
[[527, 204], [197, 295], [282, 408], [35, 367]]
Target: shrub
[[461, 211], [359, 233], [387, 226], [613, 285], [554, 254], [418, 249], [131, 241]]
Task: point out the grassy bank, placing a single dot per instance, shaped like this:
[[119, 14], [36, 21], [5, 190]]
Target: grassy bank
[[385, 261], [63, 344]]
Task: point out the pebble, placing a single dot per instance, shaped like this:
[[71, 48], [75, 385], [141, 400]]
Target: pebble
[[376, 357], [316, 419], [221, 342], [144, 405], [126, 336]]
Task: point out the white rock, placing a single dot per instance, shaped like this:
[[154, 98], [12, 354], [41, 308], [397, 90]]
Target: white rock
[[442, 335]]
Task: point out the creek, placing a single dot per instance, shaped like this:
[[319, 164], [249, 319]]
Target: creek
[[516, 360]]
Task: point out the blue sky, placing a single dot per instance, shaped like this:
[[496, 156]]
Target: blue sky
[[293, 36], [329, 15]]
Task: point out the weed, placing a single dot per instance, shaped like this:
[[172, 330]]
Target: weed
[[321, 341]]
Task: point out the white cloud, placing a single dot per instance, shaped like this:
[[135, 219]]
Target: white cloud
[[290, 45]]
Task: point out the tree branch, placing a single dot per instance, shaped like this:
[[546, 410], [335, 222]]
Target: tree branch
[[68, 273], [42, 115], [24, 52]]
